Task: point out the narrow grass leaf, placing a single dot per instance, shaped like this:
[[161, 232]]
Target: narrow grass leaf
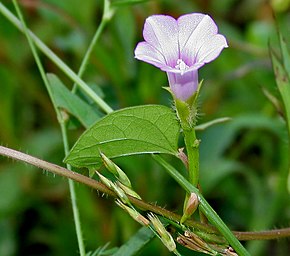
[[285, 53], [283, 83], [136, 243], [65, 99]]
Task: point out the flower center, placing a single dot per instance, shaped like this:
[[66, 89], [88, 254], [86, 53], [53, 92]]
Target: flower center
[[181, 66]]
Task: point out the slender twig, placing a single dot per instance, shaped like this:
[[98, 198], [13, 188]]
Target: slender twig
[[263, 235], [73, 195], [104, 21], [58, 170]]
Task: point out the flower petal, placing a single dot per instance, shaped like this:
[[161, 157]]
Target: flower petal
[[197, 34], [211, 49], [145, 52], [183, 86], [161, 32]]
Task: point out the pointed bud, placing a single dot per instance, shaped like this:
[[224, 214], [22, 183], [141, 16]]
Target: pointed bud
[[190, 206], [183, 157], [105, 180], [128, 191], [165, 236], [134, 214], [120, 193], [109, 11], [116, 170]]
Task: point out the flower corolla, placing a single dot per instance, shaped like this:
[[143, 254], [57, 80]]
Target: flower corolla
[[180, 47]]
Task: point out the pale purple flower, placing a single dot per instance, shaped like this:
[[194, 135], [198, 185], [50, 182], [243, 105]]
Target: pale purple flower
[[180, 47]]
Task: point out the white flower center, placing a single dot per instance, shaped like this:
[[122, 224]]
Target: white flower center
[[181, 66]]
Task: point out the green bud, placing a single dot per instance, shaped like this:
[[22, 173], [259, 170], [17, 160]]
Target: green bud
[[165, 236], [116, 170], [129, 191], [120, 193], [134, 214], [105, 180], [108, 11]]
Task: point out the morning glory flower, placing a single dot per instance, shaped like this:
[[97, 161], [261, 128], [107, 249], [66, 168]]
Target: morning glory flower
[[180, 47]]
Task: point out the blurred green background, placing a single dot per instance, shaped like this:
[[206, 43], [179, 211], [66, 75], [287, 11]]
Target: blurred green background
[[243, 162]]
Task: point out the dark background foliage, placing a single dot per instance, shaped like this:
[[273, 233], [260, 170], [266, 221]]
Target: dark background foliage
[[243, 161]]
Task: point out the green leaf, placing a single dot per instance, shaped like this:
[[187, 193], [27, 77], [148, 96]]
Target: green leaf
[[134, 130], [283, 83], [65, 99], [136, 243], [285, 53]]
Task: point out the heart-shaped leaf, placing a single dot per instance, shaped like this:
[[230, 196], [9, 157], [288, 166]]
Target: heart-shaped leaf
[[134, 130]]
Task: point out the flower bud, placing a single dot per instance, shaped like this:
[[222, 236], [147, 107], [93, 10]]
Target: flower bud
[[120, 193], [116, 170], [105, 180], [128, 191], [134, 214], [165, 236], [190, 206]]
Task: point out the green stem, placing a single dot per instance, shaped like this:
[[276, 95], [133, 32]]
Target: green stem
[[205, 207], [73, 193], [192, 148], [62, 124], [55, 59], [88, 53]]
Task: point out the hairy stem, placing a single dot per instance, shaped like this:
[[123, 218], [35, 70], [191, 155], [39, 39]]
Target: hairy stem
[[58, 170], [192, 145]]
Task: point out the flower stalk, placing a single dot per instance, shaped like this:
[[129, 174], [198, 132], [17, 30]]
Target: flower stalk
[[192, 147]]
